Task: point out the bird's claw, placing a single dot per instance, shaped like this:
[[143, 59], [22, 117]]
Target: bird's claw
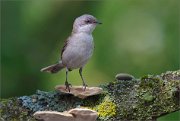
[[84, 86], [68, 85]]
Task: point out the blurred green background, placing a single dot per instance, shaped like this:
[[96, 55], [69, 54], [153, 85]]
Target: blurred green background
[[137, 36]]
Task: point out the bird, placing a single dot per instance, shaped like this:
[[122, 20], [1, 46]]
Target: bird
[[78, 48]]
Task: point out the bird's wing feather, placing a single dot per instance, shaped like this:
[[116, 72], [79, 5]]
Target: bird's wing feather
[[64, 47]]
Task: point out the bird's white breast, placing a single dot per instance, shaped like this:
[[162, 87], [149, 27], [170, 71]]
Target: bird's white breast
[[78, 51]]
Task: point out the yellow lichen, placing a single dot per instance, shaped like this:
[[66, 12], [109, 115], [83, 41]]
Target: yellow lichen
[[107, 108]]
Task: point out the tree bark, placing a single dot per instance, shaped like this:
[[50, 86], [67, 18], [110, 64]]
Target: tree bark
[[146, 98]]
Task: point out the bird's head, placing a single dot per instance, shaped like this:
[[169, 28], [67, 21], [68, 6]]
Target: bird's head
[[85, 23]]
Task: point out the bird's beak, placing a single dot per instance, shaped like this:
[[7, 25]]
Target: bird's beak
[[98, 22]]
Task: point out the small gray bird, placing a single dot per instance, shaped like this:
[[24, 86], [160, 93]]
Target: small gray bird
[[78, 48]]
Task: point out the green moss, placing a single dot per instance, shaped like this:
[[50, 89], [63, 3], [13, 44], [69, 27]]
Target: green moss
[[11, 110], [148, 97], [92, 101], [156, 95]]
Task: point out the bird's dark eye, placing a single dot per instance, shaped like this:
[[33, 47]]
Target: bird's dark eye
[[88, 21]]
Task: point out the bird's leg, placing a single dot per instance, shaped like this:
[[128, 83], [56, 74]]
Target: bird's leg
[[84, 84], [67, 84]]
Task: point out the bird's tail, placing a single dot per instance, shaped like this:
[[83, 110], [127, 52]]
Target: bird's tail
[[53, 68]]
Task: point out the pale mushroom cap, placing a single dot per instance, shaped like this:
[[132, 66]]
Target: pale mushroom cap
[[82, 111], [77, 114], [53, 116], [83, 114], [79, 91]]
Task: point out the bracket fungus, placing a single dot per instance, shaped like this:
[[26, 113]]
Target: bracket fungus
[[78, 91], [53, 116], [77, 114], [84, 114]]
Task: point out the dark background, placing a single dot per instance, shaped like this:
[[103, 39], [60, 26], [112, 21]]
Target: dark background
[[137, 36]]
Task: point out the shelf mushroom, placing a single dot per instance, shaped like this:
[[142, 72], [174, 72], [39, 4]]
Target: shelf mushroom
[[76, 114]]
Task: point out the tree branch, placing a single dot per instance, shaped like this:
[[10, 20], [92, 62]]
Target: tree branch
[[137, 99]]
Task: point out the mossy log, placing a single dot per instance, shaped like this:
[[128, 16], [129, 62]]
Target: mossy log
[[146, 98]]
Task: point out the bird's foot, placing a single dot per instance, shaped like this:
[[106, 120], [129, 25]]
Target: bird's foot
[[84, 86], [68, 85]]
